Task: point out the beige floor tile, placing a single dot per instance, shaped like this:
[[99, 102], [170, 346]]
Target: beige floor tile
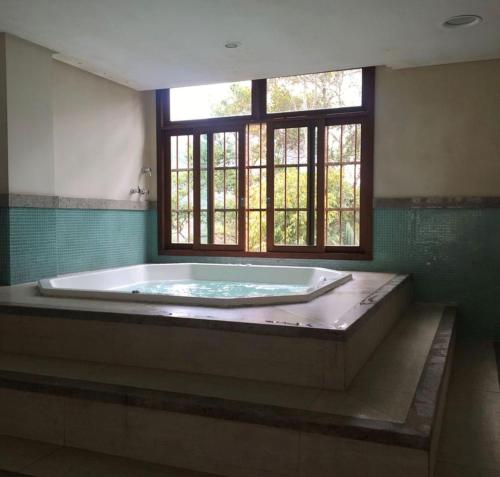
[[16, 454], [96, 426], [449, 469], [471, 425], [325, 456], [212, 386], [398, 361], [211, 445], [32, 415], [261, 357], [471, 429], [47, 366], [337, 402], [475, 366], [68, 462], [385, 387]]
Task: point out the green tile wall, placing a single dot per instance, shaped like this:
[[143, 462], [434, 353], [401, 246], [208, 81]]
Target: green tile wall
[[4, 247], [48, 242], [92, 239], [33, 246], [453, 255]]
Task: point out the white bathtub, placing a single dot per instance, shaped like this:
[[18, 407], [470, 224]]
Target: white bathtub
[[198, 284]]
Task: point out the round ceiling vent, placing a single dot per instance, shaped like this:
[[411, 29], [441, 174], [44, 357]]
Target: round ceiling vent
[[462, 21], [232, 44]]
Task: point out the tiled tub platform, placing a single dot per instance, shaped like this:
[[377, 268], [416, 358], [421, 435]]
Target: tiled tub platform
[[61, 387], [323, 343]]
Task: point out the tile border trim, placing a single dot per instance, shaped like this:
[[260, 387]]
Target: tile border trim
[[57, 202], [452, 202]]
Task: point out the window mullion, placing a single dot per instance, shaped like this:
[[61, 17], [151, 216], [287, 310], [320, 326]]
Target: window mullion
[[311, 145], [320, 201], [270, 187], [197, 187], [241, 187], [210, 188]]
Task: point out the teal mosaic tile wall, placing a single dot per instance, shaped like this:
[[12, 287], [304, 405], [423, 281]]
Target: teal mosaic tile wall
[[4, 247], [92, 239], [48, 242], [452, 254], [33, 247]]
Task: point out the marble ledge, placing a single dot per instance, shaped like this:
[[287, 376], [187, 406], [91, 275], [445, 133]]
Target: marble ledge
[[25, 300], [449, 202], [57, 202]]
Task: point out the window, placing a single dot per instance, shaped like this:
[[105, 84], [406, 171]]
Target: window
[[334, 89], [279, 167], [211, 101]]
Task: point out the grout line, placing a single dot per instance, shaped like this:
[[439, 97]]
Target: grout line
[[299, 454], [41, 458]]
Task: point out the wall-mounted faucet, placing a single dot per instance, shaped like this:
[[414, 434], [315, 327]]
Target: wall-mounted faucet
[[139, 190], [147, 171]]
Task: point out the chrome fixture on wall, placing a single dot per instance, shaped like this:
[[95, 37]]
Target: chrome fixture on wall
[[147, 171], [139, 190]]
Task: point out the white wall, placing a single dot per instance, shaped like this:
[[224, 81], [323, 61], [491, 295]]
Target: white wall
[[150, 150], [74, 134], [100, 141], [29, 117], [437, 131], [4, 163]]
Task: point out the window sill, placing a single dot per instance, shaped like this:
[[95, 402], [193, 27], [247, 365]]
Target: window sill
[[350, 254]]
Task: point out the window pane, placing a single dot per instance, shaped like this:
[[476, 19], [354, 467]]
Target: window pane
[[211, 101], [342, 175], [181, 188], [334, 89], [256, 203], [292, 211], [219, 192]]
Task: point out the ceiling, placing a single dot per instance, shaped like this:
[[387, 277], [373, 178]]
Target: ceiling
[[152, 44]]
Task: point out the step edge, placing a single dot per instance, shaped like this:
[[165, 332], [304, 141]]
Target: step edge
[[368, 306], [414, 432]]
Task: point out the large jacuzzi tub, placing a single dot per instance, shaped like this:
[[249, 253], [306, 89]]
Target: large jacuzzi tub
[[199, 284]]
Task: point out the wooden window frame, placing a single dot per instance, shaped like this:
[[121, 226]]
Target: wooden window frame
[[363, 115]]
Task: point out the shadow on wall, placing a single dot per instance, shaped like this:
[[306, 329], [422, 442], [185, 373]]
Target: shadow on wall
[[452, 255]]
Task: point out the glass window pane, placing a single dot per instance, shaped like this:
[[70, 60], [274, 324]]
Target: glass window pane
[[333, 228], [343, 180], [292, 189], [348, 179], [256, 142], [181, 188], [211, 101], [219, 188], [256, 203], [333, 89], [348, 229]]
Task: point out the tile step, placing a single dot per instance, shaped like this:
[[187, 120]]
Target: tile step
[[323, 343], [28, 458], [233, 426]]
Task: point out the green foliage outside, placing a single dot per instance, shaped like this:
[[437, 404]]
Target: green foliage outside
[[291, 223]]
